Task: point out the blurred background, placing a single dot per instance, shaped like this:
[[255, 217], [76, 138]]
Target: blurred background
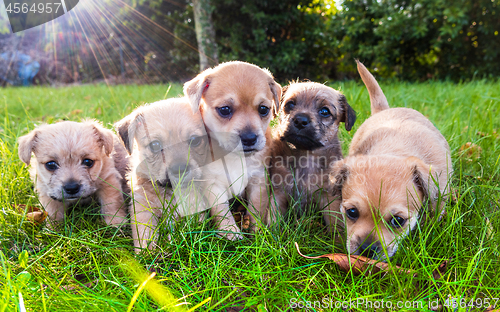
[[156, 41]]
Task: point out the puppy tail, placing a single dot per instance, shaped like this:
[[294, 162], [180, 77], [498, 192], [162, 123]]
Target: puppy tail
[[377, 97]]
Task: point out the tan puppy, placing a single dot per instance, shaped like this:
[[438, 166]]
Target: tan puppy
[[306, 146], [73, 162], [393, 159], [237, 98], [171, 151]]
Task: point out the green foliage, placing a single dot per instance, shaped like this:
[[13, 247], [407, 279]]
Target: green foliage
[[288, 37], [421, 39]]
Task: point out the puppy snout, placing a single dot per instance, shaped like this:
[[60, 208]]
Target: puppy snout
[[368, 249], [72, 188], [180, 171], [300, 121], [248, 139]]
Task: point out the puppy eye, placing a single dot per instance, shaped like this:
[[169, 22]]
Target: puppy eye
[[263, 110], [352, 214], [325, 112], [195, 141], [51, 166], [88, 162], [224, 111], [289, 106], [155, 146], [397, 222]]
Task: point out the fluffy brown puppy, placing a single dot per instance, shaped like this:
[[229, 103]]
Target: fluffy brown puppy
[[306, 146], [237, 98], [171, 151], [74, 162], [388, 176]]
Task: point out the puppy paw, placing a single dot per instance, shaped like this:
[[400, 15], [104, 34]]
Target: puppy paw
[[232, 236]]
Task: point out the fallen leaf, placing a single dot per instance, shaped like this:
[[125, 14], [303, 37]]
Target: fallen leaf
[[76, 112], [77, 288], [98, 111], [88, 97], [354, 263], [37, 217], [245, 225], [362, 265], [471, 150], [33, 213]]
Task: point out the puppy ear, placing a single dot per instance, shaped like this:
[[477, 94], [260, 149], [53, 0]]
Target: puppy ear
[[422, 178], [126, 131], [276, 91], [340, 174], [194, 89], [104, 136], [26, 146], [349, 115]]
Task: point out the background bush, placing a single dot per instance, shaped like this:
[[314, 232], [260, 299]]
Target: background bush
[[155, 40]]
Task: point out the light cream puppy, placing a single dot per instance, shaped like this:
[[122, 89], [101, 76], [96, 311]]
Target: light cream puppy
[[171, 152], [388, 176], [74, 162], [236, 100]]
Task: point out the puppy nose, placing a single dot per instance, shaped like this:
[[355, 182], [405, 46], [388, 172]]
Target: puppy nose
[[301, 121], [179, 170], [368, 250], [248, 138], [72, 188]]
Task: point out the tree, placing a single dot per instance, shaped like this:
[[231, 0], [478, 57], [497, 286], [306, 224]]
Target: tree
[[205, 33]]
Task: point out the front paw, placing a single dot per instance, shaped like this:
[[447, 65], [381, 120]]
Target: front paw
[[232, 236]]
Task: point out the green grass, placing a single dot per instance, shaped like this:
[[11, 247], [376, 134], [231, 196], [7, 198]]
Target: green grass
[[87, 266]]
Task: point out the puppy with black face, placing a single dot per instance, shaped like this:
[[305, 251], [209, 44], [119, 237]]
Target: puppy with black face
[[236, 101], [171, 156], [306, 146], [74, 162]]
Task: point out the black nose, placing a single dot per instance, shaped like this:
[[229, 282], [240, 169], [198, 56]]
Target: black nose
[[301, 121], [72, 188], [248, 138], [368, 250], [179, 170]]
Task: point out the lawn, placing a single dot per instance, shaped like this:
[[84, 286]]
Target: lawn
[[90, 267]]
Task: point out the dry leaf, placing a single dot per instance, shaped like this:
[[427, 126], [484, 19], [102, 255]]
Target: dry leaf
[[245, 225], [88, 97], [37, 217], [363, 265], [356, 264], [471, 150], [98, 111], [76, 112], [33, 213]]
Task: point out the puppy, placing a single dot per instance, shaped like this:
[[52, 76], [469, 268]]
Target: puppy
[[74, 162], [175, 169], [398, 161], [306, 146], [236, 99]]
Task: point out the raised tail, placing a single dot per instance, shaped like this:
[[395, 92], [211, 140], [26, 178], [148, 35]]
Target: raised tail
[[377, 97]]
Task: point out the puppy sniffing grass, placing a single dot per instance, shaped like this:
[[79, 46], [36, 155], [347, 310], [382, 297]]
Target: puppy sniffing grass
[[74, 162], [398, 162], [306, 146]]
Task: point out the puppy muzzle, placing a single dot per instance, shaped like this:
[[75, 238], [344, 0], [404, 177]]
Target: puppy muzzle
[[301, 133]]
